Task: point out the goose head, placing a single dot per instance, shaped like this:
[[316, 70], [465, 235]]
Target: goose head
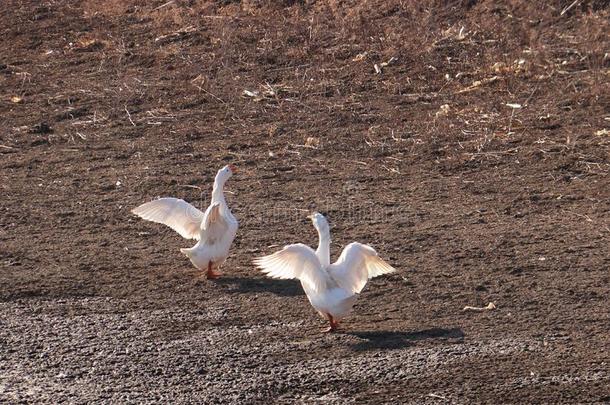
[[320, 223], [225, 173]]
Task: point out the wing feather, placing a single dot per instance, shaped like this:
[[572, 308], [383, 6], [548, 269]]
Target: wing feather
[[179, 215], [295, 261], [357, 264]]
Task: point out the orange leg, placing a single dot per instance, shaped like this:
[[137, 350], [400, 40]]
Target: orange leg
[[333, 324], [211, 274]]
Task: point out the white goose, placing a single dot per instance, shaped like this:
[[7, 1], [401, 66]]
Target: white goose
[[214, 230], [331, 288]]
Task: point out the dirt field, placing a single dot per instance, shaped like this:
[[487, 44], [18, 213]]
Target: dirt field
[[475, 158]]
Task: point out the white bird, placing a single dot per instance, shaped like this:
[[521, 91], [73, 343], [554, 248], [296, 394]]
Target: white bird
[[332, 289], [214, 230]]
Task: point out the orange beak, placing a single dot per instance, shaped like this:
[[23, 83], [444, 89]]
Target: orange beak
[[233, 168]]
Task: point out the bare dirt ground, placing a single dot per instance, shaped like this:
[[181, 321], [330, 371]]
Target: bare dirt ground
[[106, 105]]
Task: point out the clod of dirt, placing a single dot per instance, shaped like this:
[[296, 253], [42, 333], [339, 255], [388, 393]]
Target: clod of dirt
[[88, 45], [389, 62], [360, 56], [42, 128], [602, 132], [312, 142], [255, 95], [443, 111]]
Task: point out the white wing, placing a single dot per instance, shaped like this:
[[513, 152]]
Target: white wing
[[356, 265], [295, 261], [214, 226], [179, 215]]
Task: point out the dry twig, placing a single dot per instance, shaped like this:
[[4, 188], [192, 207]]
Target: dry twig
[[129, 116], [489, 307], [568, 8]]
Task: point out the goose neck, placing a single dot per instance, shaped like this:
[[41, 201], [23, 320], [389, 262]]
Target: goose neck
[[218, 191], [323, 251]]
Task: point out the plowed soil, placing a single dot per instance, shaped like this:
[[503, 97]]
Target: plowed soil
[[467, 141]]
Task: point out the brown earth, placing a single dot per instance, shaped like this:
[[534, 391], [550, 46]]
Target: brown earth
[[106, 105]]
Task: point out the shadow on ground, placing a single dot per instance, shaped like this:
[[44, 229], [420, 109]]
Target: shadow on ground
[[391, 340], [285, 288]]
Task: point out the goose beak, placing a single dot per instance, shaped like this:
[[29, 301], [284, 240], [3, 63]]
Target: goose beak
[[233, 168]]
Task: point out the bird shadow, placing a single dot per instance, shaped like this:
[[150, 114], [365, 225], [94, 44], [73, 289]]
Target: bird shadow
[[284, 288], [392, 340]]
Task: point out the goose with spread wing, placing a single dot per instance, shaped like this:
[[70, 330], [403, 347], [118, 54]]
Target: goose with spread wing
[[332, 289], [213, 229]]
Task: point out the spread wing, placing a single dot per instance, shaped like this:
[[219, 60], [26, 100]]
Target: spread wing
[[357, 264], [179, 215], [295, 261]]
